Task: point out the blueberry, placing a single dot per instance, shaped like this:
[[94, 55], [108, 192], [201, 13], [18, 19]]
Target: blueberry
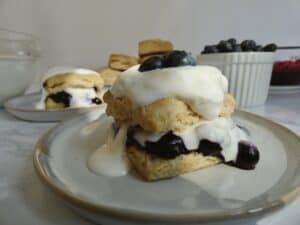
[[209, 148], [210, 49], [270, 47], [178, 58], [236, 48], [168, 146], [248, 45], [258, 48], [225, 46], [191, 59], [154, 62], [61, 97], [96, 101], [248, 156], [232, 41]]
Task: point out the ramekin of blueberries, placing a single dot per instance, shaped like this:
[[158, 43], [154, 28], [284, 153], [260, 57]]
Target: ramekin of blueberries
[[246, 64], [231, 45]]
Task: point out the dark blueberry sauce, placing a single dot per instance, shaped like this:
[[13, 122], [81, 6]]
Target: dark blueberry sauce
[[169, 146], [61, 97], [65, 98], [96, 101]]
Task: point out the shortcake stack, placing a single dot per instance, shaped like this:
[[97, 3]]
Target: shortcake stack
[[178, 117], [65, 87]]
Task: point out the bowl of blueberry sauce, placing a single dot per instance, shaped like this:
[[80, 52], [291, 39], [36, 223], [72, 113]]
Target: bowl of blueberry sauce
[[247, 66]]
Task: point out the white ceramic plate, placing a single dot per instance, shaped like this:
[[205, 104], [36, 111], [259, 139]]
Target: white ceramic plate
[[284, 89], [23, 107], [213, 194]]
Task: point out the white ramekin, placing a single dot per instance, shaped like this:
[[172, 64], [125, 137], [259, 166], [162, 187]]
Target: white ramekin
[[248, 74]]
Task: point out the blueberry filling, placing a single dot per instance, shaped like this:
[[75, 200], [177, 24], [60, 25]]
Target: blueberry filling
[[173, 59], [248, 156], [170, 146], [61, 97], [96, 101], [65, 98]]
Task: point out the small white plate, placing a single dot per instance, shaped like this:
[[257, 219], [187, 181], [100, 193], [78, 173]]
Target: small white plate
[[291, 89], [213, 194], [23, 107]]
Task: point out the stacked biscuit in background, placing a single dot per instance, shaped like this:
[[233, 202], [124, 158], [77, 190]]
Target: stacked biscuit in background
[[119, 62], [152, 47]]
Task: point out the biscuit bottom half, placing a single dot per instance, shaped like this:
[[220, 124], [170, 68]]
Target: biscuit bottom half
[[152, 167]]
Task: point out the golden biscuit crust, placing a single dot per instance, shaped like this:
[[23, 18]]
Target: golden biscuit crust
[[109, 75], [60, 82], [52, 105], [160, 116], [154, 168], [154, 46], [121, 62]]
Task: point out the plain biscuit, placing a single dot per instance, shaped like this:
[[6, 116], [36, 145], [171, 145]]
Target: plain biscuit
[[109, 75], [121, 62], [154, 46]]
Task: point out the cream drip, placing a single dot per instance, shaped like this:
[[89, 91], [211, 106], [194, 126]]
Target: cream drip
[[201, 87], [110, 159]]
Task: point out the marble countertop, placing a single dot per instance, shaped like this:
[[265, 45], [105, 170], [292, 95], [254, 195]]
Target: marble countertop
[[24, 200]]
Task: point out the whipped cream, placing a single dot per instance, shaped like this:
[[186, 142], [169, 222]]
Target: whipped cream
[[221, 130], [110, 159], [201, 87], [81, 97]]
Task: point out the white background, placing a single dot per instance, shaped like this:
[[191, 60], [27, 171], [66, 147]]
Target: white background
[[85, 32]]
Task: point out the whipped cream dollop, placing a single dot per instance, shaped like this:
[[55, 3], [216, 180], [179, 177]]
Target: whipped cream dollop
[[80, 97], [201, 87], [221, 130]]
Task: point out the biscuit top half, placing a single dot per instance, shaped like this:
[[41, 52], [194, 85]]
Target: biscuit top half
[[63, 77], [202, 88]]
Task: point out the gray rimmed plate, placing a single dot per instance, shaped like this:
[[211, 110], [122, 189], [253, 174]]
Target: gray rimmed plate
[[23, 107], [216, 194]]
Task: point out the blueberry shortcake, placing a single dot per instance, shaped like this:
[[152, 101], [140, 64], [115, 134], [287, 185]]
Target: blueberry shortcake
[[71, 87], [178, 117]]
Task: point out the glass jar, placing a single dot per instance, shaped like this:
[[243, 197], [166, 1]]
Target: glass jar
[[19, 53]]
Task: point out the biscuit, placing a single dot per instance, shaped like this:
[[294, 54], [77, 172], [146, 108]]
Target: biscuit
[[121, 62], [60, 82], [51, 105], [109, 75], [152, 168], [160, 116], [154, 46]]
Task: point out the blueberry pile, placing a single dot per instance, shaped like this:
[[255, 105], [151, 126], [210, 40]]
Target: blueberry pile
[[172, 59], [231, 45], [170, 146]]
